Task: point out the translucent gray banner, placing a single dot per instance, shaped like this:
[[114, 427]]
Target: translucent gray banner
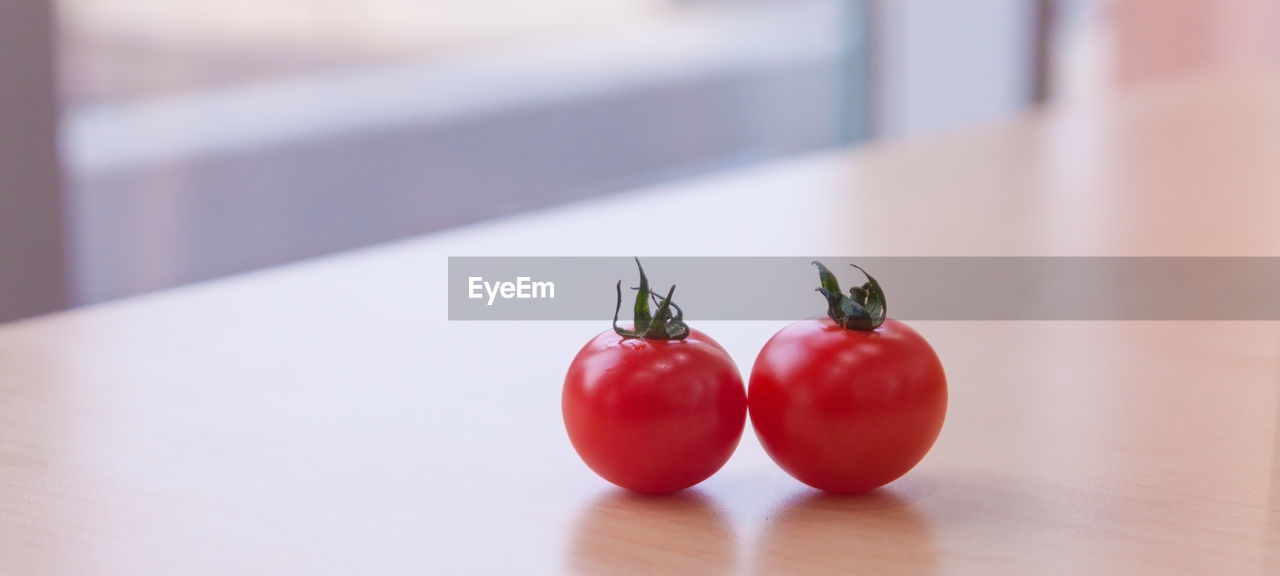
[[749, 288]]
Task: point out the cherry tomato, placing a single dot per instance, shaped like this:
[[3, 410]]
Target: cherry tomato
[[849, 402], [656, 409]]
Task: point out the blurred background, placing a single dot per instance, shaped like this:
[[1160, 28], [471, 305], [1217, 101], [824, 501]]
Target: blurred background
[[149, 144]]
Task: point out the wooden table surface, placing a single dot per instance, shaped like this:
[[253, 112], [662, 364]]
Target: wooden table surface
[[325, 417]]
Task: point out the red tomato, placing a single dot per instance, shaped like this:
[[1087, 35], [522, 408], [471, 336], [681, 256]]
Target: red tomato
[[847, 410], [654, 415], [654, 409]]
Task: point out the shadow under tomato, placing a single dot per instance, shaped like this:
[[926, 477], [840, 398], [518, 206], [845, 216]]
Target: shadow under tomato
[[625, 532], [819, 533]]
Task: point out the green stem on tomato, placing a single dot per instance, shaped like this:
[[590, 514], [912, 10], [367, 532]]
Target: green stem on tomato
[[662, 325], [863, 309]]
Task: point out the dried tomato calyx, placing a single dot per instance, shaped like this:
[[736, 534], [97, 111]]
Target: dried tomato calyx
[[863, 309], [663, 324]]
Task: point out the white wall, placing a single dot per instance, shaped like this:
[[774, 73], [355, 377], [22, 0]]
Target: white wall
[[182, 187], [947, 65]]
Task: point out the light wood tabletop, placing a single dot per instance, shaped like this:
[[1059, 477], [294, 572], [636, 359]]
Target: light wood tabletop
[[326, 417]]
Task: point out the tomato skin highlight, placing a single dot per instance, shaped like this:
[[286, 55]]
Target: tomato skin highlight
[[844, 410], [654, 416]]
